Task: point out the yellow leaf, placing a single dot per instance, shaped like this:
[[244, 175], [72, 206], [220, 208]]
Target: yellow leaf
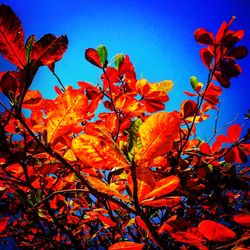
[[98, 152], [104, 188], [156, 136], [165, 86]]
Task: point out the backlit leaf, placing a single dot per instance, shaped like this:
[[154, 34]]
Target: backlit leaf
[[169, 201], [215, 231], [103, 54], [133, 135], [93, 57], [118, 60], [3, 223], [48, 49], [104, 188], [65, 113], [156, 136], [28, 47], [98, 152], [164, 186], [11, 37], [242, 219], [126, 245]]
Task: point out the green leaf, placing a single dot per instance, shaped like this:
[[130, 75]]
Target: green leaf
[[133, 137], [28, 47], [118, 60], [103, 54], [194, 81]]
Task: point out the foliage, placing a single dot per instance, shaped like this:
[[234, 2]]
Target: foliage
[[131, 177]]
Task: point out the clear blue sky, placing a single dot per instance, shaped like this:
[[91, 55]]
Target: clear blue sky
[[156, 34]]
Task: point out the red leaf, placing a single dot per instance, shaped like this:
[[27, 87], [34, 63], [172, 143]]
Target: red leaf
[[238, 52], [204, 37], [221, 32], [93, 57], [242, 219], [234, 132], [11, 37], [48, 50], [222, 79], [188, 108], [163, 202], [126, 245], [8, 85], [206, 57], [214, 231], [3, 223], [205, 148]]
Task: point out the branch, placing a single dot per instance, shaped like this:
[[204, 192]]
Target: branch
[[59, 192]]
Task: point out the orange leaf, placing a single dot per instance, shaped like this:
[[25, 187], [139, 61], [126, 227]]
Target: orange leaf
[[65, 113], [164, 186], [32, 99], [126, 245], [102, 187], [214, 231], [98, 151], [3, 223], [242, 219], [163, 202], [11, 37], [156, 136]]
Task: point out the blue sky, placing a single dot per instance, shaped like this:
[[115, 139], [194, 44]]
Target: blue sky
[[157, 35]]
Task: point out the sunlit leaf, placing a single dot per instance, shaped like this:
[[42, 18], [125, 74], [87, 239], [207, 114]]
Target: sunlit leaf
[[118, 60], [98, 152], [103, 54], [11, 37], [133, 135], [156, 136], [169, 201], [126, 245], [215, 231], [65, 113], [104, 188], [164, 186], [28, 47]]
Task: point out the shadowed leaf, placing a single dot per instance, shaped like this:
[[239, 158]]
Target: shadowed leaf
[[11, 37]]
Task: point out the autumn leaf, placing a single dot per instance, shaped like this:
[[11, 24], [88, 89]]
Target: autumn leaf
[[49, 49], [164, 186], [3, 223], [65, 113], [98, 151], [242, 219], [11, 37], [126, 245], [93, 57], [156, 136], [169, 201], [215, 231], [104, 188]]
